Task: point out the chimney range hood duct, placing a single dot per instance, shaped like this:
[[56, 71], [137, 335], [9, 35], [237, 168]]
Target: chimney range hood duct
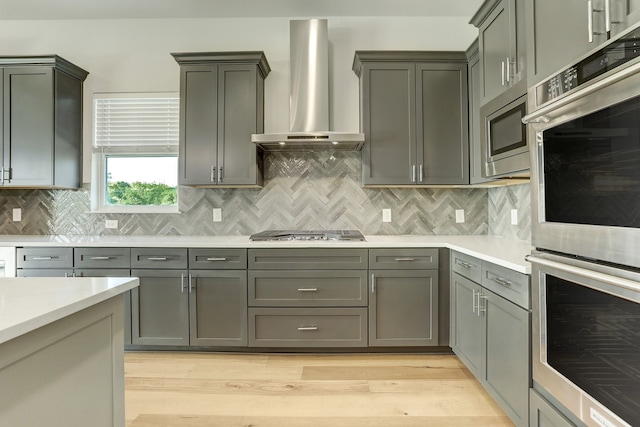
[[309, 96]]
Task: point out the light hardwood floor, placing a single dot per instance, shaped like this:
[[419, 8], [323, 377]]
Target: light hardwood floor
[[303, 390]]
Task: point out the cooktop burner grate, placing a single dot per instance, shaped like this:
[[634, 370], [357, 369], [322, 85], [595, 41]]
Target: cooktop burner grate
[[345, 235]]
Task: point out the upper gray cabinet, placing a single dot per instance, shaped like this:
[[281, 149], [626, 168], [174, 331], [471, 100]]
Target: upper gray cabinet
[[41, 112], [414, 114], [502, 46], [559, 32], [476, 164], [221, 105]]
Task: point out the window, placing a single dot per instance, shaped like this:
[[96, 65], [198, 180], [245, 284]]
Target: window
[[135, 159]]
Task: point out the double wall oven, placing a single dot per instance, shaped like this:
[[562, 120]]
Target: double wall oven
[[585, 169]]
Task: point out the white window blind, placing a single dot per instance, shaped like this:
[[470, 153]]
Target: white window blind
[[138, 122]]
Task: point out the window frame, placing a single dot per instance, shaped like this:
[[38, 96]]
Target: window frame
[[101, 154]]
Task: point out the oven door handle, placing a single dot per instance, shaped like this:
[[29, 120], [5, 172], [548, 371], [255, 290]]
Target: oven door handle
[[587, 274]]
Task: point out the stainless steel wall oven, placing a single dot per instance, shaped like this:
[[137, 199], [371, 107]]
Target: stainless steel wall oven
[[585, 170]]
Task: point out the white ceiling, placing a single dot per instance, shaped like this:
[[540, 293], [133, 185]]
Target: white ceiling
[[141, 9]]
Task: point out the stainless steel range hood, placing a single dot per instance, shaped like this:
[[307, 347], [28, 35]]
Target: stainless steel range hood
[[309, 95]]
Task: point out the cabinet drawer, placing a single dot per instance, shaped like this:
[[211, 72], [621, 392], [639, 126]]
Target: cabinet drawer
[[507, 283], [308, 259], [102, 257], [44, 258], [158, 258], [307, 327], [466, 266], [403, 259], [45, 272], [102, 272], [228, 259], [308, 288]]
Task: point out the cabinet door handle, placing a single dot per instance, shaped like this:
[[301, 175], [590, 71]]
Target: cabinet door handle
[[373, 283], [607, 15], [482, 308], [591, 11], [213, 174], [473, 300], [502, 80], [308, 328], [157, 258], [413, 173], [44, 258], [216, 259], [421, 173], [307, 289], [220, 174], [192, 285], [405, 259], [182, 283], [464, 264], [507, 66], [100, 258]]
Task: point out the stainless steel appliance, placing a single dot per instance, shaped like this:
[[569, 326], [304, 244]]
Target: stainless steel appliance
[[346, 235], [585, 170], [505, 148]]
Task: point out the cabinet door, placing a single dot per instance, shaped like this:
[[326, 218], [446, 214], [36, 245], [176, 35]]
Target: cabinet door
[[238, 118], [388, 121], [403, 308], [557, 34], [466, 323], [543, 414], [507, 356], [218, 307], [442, 123], [198, 125], [28, 126], [160, 308], [496, 41], [112, 272]]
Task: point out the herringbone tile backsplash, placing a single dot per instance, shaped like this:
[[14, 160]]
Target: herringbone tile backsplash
[[302, 191]]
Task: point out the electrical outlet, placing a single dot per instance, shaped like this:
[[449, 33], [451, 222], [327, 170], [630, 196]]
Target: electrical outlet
[[217, 215], [111, 223], [386, 215], [459, 215], [17, 214], [514, 216]]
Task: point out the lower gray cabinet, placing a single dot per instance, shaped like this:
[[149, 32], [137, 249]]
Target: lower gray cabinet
[[218, 307], [403, 297], [160, 308], [490, 330], [543, 414], [403, 308]]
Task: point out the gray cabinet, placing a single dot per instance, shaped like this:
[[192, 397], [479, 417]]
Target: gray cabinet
[[414, 116], [476, 164], [44, 262], [41, 112], [490, 330], [160, 305], [558, 33], [543, 414], [502, 47], [221, 105], [403, 302], [307, 297], [176, 306]]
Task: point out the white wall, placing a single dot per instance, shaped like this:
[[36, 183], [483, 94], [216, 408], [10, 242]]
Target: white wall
[[134, 55]]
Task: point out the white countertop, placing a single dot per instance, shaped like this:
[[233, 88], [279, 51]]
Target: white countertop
[[27, 304], [505, 252]]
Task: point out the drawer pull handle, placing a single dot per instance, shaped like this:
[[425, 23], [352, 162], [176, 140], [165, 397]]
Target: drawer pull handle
[[100, 258], [307, 289], [157, 258], [44, 258], [405, 259], [308, 328], [464, 264], [216, 259], [502, 281]]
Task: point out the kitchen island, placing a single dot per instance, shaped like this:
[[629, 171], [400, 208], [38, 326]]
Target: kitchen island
[[61, 351]]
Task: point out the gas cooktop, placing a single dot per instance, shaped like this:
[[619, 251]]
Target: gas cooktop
[[348, 235]]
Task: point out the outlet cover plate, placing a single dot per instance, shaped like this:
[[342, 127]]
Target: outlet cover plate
[[459, 215], [217, 215], [17, 214], [386, 215]]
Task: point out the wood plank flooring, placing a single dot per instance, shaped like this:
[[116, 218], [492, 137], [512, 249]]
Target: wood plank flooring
[[303, 390]]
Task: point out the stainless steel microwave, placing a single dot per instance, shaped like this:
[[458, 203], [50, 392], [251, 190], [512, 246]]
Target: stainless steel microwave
[[505, 149]]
